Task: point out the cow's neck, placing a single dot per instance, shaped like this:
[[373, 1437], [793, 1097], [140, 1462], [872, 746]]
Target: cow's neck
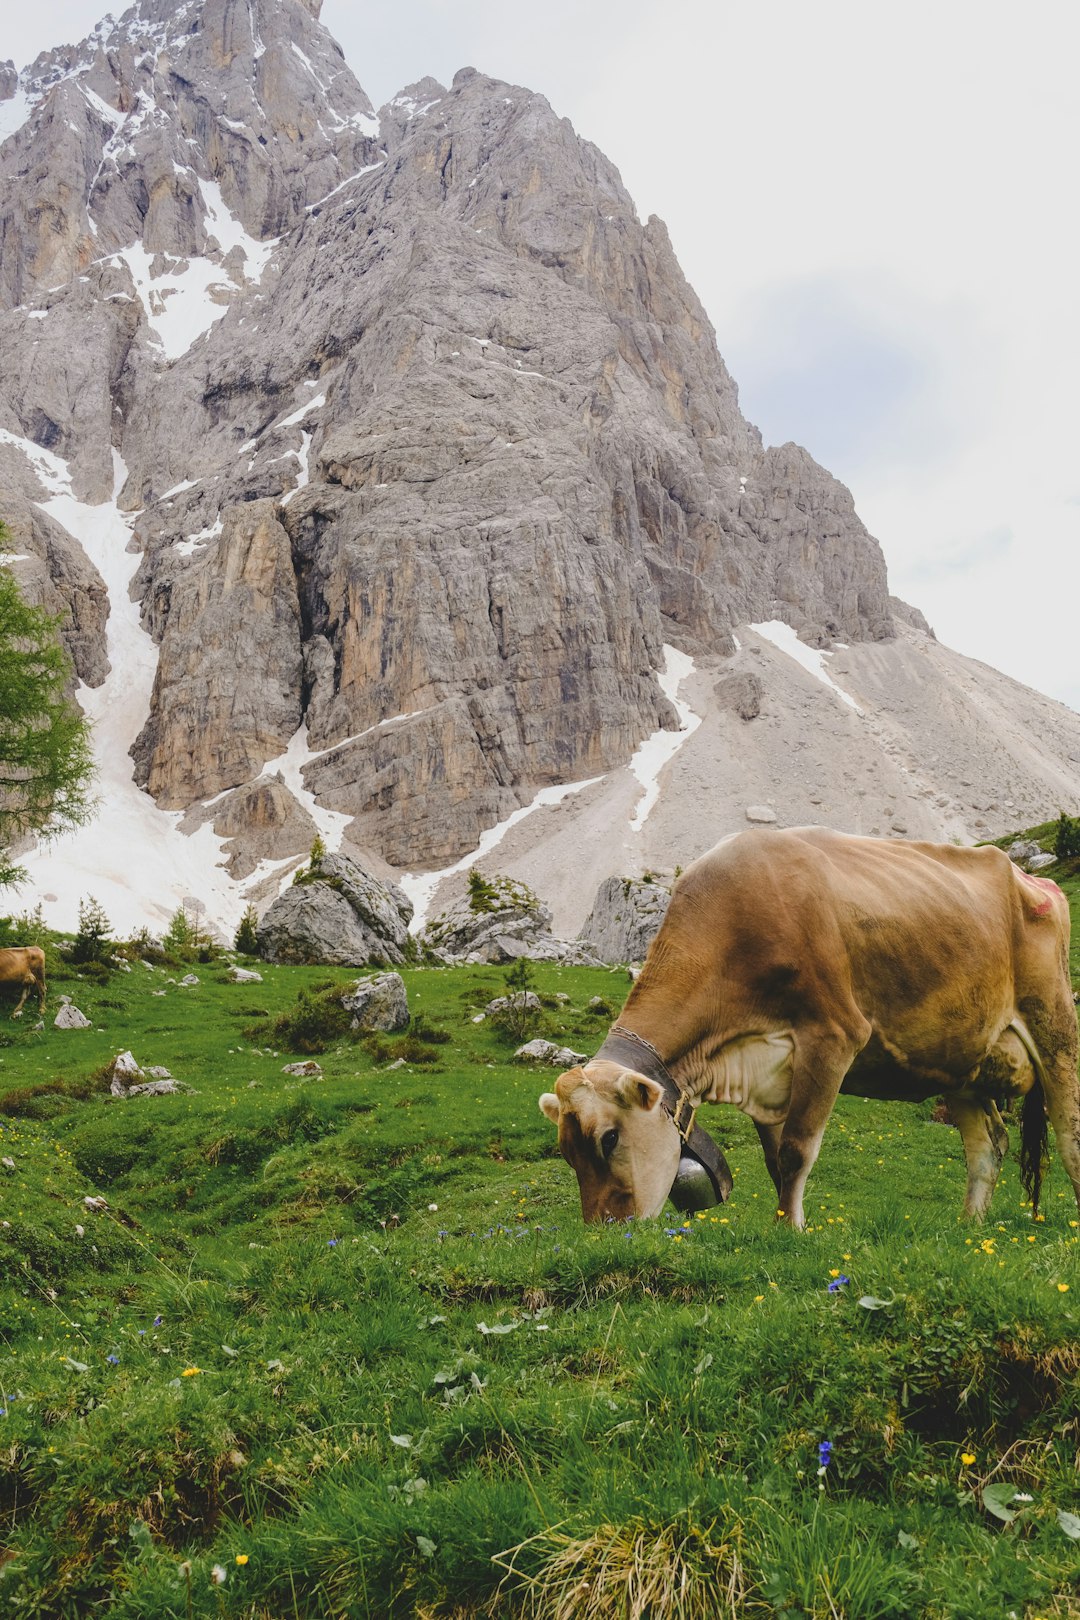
[[671, 1027]]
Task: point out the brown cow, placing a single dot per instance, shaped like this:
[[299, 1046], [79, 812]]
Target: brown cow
[[24, 965], [795, 964]]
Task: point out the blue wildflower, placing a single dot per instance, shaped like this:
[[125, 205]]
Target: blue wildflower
[[824, 1452], [331, 1243], [158, 1321], [114, 1361], [838, 1283]]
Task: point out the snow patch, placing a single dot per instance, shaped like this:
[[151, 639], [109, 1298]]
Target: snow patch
[[812, 659], [421, 886], [177, 304], [14, 113], [231, 233], [312, 405], [655, 752], [290, 767], [132, 857]]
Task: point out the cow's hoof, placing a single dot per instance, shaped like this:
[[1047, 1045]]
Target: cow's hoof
[[17, 1014]]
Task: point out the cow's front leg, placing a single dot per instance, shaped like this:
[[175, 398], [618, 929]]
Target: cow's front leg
[[986, 1143], [769, 1137], [821, 1062]]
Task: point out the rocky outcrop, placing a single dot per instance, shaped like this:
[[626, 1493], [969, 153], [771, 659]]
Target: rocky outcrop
[[209, 730], [260, 821], [625, 917], [514, 924], [741, 694], [338, 914]]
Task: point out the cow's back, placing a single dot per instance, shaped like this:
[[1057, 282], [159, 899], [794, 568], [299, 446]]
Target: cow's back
[[934, 944]]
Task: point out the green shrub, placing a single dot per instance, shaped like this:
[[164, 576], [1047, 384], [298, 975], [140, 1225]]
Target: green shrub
[[1067, 836], [312, 1025]]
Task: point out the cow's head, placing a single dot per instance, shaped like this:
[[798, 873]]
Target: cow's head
[[622, 1146]]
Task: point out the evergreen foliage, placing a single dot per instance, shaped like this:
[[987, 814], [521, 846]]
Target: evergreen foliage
[[1067, 836], [45, 759], [247, 938], [93, 942]]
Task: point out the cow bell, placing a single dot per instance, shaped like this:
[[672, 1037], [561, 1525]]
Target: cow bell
[[693, 1187]]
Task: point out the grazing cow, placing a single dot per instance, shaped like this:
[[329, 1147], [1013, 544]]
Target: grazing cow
[[24, 966], [796, 964]]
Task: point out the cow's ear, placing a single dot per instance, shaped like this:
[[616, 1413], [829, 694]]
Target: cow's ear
[[637, 1092], [549, 1105]]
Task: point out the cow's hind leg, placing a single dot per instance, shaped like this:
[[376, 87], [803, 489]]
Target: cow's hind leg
[[1055, 1035], [28, 985], [986, 1143], [822, 1058]]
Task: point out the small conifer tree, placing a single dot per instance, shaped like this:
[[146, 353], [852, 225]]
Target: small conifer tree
[[247, 938], [93, 941]]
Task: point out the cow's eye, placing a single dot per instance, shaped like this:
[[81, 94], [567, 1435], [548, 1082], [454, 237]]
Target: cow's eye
[[607, 1143]]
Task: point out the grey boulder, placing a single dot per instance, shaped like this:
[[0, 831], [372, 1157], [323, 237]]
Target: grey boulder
[[339, 914], [625, 917], [378, 1003]]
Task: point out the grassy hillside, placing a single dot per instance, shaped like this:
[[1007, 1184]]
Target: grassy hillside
[[341, 1346]]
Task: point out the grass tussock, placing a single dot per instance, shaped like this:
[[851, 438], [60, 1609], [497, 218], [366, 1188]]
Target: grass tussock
[[636, 1571]]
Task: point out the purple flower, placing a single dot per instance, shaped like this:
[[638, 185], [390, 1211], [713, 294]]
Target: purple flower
[[824, 1452], [158, 1321], [114, 1361], [838, 1283], [331, 1243]]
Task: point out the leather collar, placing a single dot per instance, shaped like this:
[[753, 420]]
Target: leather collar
[[633, 1051]]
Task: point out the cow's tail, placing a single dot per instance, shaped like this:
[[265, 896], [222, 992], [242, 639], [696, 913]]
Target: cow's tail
[[1034, 1133]]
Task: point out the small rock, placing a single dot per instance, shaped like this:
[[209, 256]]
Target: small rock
[[91, 1202], [69, 1017], [1024, 849], [239, 975], [763, 813], [522, 1001], [1036, 862], [189, 979], [310, 1068], [8, 1164], [547, 1052]]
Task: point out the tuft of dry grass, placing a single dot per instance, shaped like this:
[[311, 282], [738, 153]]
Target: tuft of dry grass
[[636, 1571]]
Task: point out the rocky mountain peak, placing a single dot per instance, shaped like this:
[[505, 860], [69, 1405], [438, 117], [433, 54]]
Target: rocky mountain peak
[[386, 470], [170, 130]]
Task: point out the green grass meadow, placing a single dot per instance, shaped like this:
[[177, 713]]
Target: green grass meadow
[[342, 1346]]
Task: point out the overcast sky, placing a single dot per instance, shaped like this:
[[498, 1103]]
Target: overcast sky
[[876, 204]]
